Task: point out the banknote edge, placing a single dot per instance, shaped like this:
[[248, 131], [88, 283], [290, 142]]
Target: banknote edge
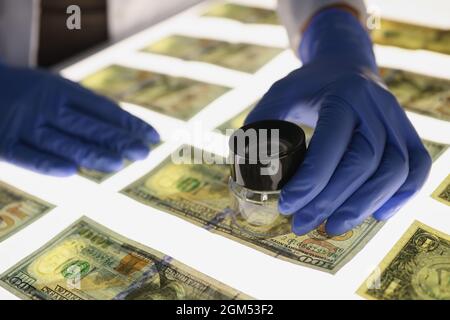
[[207, 13], [413, 25], [439, 189], [445, 147]]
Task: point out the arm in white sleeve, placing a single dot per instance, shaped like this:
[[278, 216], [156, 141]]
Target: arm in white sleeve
[[295, 13]]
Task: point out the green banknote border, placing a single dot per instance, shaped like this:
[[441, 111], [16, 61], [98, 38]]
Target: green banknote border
[[401, 243], [261, 247], [149, 251], [49, 206]]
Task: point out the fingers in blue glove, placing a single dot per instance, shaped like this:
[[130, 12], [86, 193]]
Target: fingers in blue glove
[[102, 134], [419, 168], [284, 101], [330, 140], [390, 175], [74, 150], [41, 162], [358, 164], [104, 109]]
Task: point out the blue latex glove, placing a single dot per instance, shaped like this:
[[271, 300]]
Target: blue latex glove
[[365, 158], [51, 125]]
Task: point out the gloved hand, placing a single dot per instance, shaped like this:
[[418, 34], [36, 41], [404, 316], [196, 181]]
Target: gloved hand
[[51, 125], [365, 158]]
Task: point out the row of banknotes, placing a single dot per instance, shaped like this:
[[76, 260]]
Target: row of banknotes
[[89, 261], [182, 98], [197, 193], [389, 32]]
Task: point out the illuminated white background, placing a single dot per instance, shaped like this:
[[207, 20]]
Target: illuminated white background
[[243, 268]]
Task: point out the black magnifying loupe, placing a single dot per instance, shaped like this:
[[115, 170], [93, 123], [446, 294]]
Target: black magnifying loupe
[[264, 155]]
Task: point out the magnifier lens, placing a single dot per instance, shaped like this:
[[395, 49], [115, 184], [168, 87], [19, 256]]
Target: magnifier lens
[[265, 155], [258, 208]]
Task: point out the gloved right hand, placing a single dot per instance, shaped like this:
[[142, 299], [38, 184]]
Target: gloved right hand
[[365, 158], [53, 126]]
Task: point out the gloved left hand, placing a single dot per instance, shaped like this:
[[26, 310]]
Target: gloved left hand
[[52, 125], [365, 158]]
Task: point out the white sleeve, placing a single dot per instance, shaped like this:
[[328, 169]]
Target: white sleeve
[[295, 13], [128, 17], [19, 32]]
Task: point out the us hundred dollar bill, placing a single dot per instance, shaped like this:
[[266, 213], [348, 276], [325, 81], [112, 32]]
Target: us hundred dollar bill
[[411, 36], [18, 209], [419, 93], [416, 268], [243, 57], [442, 193], [176, 97], [391, 32], [242, 13], [90, 262], [199, 194]]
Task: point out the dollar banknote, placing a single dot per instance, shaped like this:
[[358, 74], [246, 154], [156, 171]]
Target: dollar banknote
[[18, 209], [410, 36], [199, 194], [177, 97], [435, 149], [416, 268], [238, 121], [390, 32], [419, 93], [442, 193], [242, 13], [238, 56], [90, 262]]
